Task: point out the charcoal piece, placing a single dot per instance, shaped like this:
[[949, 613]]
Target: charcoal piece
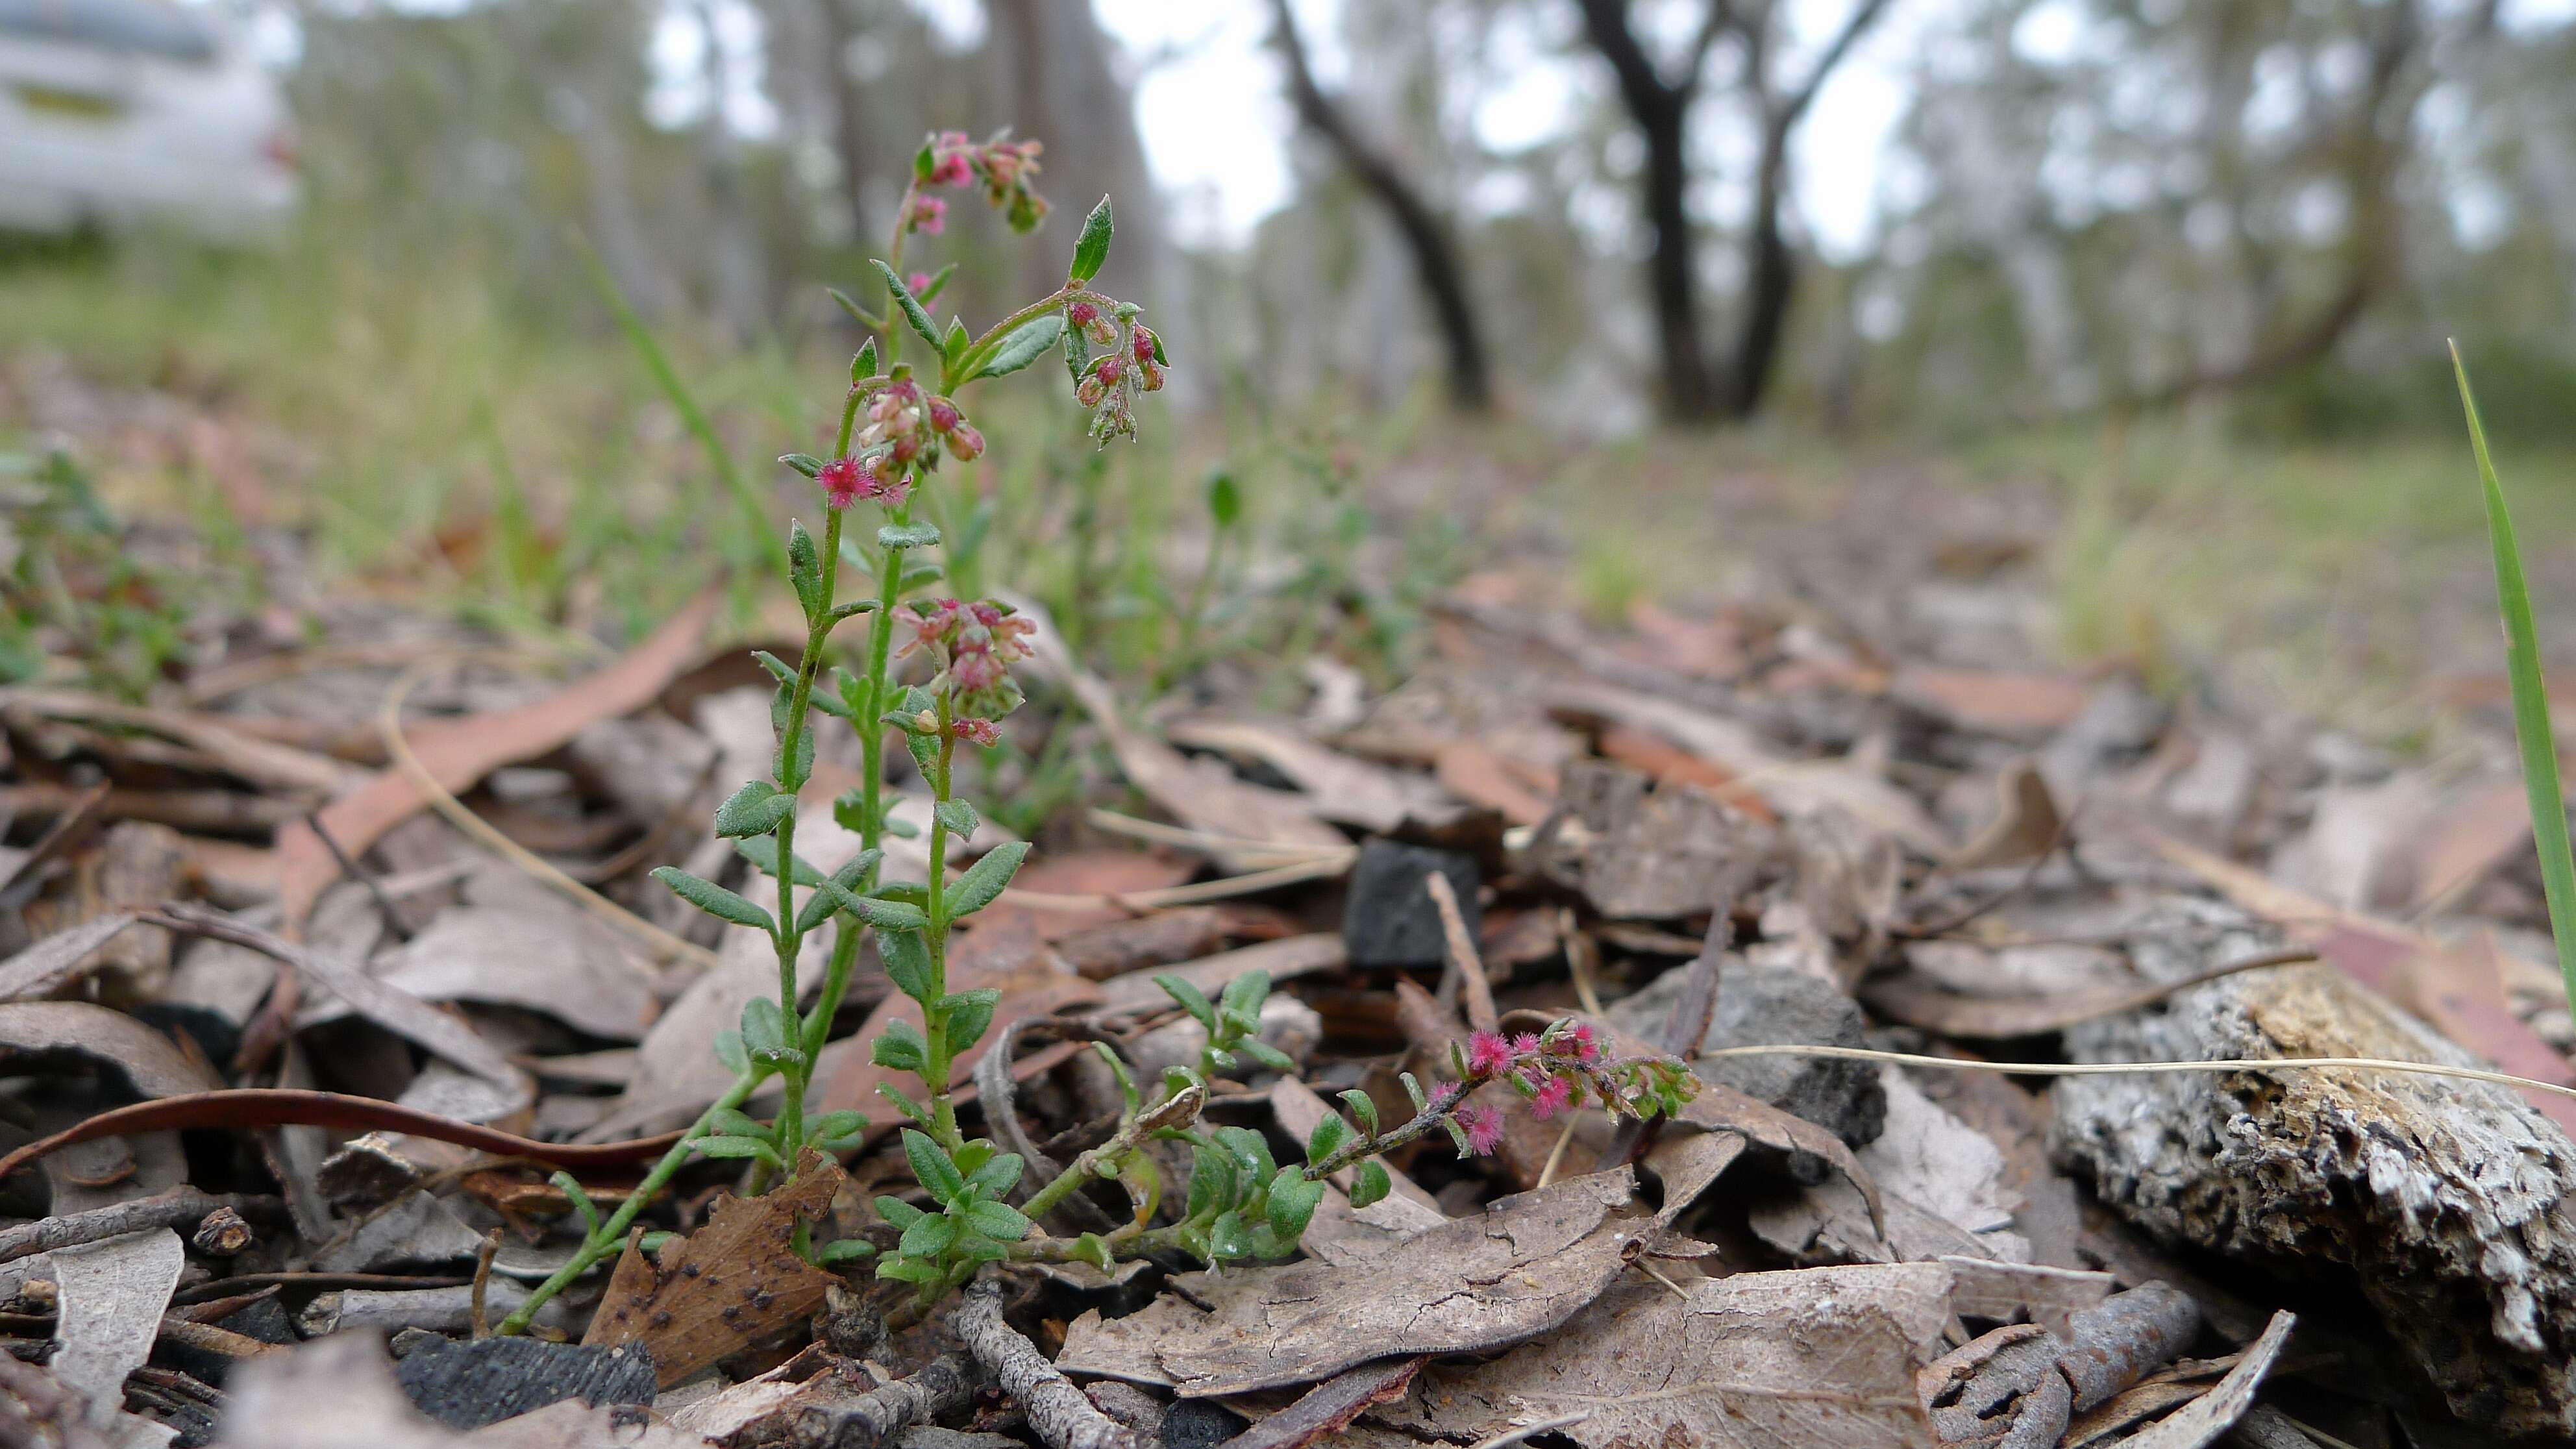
[[1390, 920], [1199, 1423], [466, 1384], [264, 1319]]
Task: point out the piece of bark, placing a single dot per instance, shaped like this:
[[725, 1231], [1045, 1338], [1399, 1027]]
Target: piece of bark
[[1329, 1407], [2201, 1421], [2446, 1203], [112, 1294], [727, 1286], [1642, 853], [184, 1207], [1519, 1269], [2010, 1292], [2017, 1387], [1056, 1411]]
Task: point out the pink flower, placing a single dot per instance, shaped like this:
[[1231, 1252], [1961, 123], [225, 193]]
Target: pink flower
[[930, 623], [966, 443], [943, 414], [1090, 391], [977, 731], [1080, 314], [952, 169], [929, 214], [1525, 1044], [1553, 1098], [1109, 370], [917, 283], [1579, 1042], [1488, 1054], [1142, 344], [976, 669], [845, 481], [1483, 1126]]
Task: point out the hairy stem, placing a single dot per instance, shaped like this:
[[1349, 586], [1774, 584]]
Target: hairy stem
[[935, 1070]]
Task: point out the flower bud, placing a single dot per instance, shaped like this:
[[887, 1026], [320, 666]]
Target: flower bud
[[944, 416], [1141, 342], [1090, 390], [977, 731], [1152, 376], [928, 214], [966, 443]]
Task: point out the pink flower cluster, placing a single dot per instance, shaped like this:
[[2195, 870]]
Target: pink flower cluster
[[976, 645], [909, 424], [1005, 167], [1110, 384], [1544, 1068]]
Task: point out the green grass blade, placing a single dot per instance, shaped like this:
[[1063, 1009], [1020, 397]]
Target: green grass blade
[[2530, 700], [658, 362]]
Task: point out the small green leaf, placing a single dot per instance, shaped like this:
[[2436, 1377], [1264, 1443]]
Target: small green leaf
[[932, 1167], [999, 1221], [571, 1187], [764, 1026], [958, 816], [908, 1270], [1091, 248], [1192, 1000], [827, 695], [878, 911], [1093, 1249], [778, 668], [954, 345], [864, 365], [974, 1247], [1413, 1089], [1266, 1054], [1211, 1181], [900, 1048], [1250, 1149], [908, 535], [984, 880], [755, 809], [762, 851], [805, 463], [925, 163], [972, 1154], [734, 1147], [903, 1103], [728, 1122], [1243, 995], [1329, 1134], [843, 611], [996, 1178], [730, 1052], [1228, 1237], [792, 774], [834, 1127], [969, 1013], [1373, 1184], [898, 1212], [929, 1237], [804, 568], [1024, 346], [1118, 1069], [1292, 1203], [1225, 497], [907, 962], [843, 1251], [714, 899], [1363, 1111], [910, 306]]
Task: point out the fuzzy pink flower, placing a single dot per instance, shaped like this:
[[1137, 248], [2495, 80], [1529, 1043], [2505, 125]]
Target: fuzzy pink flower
[[917, 283], [1526, 1044], [1553, 1098], [1488, 1054], [1080, 314], [929, 213], [1142, 344], [1579, 1042], [952, 170], [1483, 1126], [845, 481], [977, 731], [976, 669]]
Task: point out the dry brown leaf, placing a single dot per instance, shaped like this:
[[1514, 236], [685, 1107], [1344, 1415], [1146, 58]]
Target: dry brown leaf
[[2473, 833], [1521, 1268], [2026, 823], [536, 955], [113, 1293], [459, 752], [1676, 766], [1336, 786], [2009, 703], [1816, 1358], [726, 1286], [2017, 1292], [1481, 775], [2201, 1421], [56, 960]]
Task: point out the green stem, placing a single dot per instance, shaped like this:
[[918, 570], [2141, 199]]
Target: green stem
[[1442, 1103], [612, 1233], [799, 1070], [935, 1024], [981, 350]]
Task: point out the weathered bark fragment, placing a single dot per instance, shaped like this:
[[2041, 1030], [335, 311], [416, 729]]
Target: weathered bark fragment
[[2444, 1202]]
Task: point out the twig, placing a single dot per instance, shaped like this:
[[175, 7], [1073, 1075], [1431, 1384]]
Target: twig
[[1556, 1154], [879, 1415], [2110, 1069], [394, 923], [483, 1257], [1210, 842], [1320, 867], [1578, 960], [1057, 1412], [1651, 1271], [1479, 991], [662, 943], [179, 1207]]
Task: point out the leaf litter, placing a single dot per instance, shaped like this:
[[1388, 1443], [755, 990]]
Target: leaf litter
[[1969, 858]]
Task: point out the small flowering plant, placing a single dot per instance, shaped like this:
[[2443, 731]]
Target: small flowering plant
[[1239, 1203]]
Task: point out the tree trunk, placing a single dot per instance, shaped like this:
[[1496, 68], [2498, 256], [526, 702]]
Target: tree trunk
[[1770, 282], [1435, 257], [1672, 266]]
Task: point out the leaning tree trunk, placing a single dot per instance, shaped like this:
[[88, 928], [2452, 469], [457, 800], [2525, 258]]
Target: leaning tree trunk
[[1770, 283], [1436, 264], [1672, 267]]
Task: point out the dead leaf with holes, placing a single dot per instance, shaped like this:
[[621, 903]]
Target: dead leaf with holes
[[725, 1287]]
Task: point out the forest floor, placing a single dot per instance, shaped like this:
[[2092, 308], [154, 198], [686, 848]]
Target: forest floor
[[342, 749]]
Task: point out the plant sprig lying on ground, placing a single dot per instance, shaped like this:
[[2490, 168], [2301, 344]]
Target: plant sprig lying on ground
[[1239, 1203]]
